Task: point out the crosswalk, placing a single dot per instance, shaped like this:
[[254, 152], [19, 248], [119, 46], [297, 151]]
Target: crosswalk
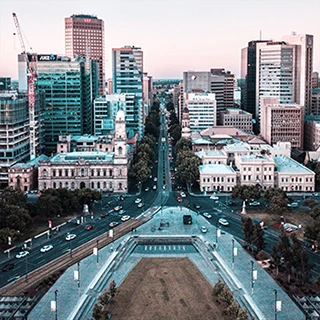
[[165, 249]]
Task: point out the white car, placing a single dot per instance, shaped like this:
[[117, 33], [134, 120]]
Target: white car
[[214, 197], [140, 205], [182, 194], [155, 179], [154, 187], [22, 254], [125, 218], [113, 224], [254, 203], [203, 229], [147, 189], [207, 215], [223, 222], [46, 248], [138, 200], [293, 205], [70, 236]]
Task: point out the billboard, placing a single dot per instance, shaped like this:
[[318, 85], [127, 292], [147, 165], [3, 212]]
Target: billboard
[[47, 57]]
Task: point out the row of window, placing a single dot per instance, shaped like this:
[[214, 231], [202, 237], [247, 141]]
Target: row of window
[[72, 173], [265, 178], [258, 169], [218, 179], [296, 179], [91, 185]]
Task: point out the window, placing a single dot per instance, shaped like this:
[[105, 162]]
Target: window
[[92, 185], [44, 172], [60, 172], [82, 172], [45, 185], [92, 173], [120, 185], [110, 172], [110, 185], [120, 151], [25, 180], [244, 178], [66, 172]]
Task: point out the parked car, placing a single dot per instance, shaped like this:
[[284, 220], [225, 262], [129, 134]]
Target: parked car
[[117, 208], [89, 227], [122, 212], [154, 187], [8, 267], [70, 236], [147, 189], [231, 203], [179, 199], [254, 203], [182, 194], [207, 215], [140, 205], [125, 218], [155, 179], [214, 197], [223, 222], [197, 206], [46, 248], [203, 229], [22, 254], [293, 205], [138, 200], [104, 215], [113, 224]]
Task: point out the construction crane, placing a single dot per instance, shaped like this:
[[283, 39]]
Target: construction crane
[[31, 61]]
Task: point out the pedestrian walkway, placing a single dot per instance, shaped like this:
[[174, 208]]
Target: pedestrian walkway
[[116, 260]]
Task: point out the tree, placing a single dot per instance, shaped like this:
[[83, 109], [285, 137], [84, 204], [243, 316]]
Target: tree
[[170, 106], [258, 237], [187, 166], [175, 132], [275, 255], [11, 196], [49, 205], [315, 167], [245, 192], [248, 230], [183, 144]]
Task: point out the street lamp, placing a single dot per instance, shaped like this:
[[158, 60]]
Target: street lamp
[[95, 251], [218, 234], [254, 274], [234, 252], [76, 275], [277, 304], [54, 305]]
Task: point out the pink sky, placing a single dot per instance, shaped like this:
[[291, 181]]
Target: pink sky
[[175, 35]]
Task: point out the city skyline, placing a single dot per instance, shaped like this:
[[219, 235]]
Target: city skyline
[[175, 36]]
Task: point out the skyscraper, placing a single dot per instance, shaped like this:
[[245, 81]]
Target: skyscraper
[[127, 77], [84, 36]]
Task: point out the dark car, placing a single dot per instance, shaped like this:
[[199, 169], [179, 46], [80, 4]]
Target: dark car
[[8, 267]]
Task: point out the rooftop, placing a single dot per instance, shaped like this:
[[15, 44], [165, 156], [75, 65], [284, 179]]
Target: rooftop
[[86, 155], [216, 169], [31, 163], [85, 138], [288, 165], [201, 141], [256, 158]]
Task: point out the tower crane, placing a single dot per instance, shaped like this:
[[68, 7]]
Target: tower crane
[[31, 61]]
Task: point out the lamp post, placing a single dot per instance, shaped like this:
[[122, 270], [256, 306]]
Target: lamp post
[[76, 275], [277, 304], [26, 268], [218, 234], [54, 305], [234, 253], [253, 276]]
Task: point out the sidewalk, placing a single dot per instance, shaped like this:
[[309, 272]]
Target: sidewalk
[[116, 265]]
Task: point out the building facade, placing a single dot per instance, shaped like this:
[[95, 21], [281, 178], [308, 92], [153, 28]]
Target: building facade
[[202, 110], [315, 79], [237, 118], [282, 122], [127, 70], [100, 170], [312, 132], [84, 36], [14, 133], [315, 102]]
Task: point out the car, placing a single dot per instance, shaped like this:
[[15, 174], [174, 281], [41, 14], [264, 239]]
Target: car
[[182, 194], [203, 229], [155, 179], [140, 205], [150, 176], [46, 248], [104, 215], [293, 205], [22, 254], [70, 236], [254, 203], [138, 200], [231, 203], [113, 224], [315, 194], [89, 227], [197, 206], [179, 199], [223, 222], [8, 267], [207, 215], [154, 187], [117, 208], [214, 197], [122, 212], [125, 218], [147, 189]]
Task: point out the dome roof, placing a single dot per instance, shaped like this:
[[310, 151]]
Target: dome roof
[[120, 116]]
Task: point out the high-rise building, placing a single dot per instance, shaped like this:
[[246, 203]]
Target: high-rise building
[[105, 110], [312, 133], [282, 122], [84, 36], [68, 87], [202, 110], [14, 133], [127, 70], [237, 118], [304, 65], [248, 74], [315, 103]]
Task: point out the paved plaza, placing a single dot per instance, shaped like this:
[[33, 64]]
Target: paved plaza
[[165, 235]]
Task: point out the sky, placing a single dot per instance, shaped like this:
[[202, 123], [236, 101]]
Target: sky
[[175, 35]]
